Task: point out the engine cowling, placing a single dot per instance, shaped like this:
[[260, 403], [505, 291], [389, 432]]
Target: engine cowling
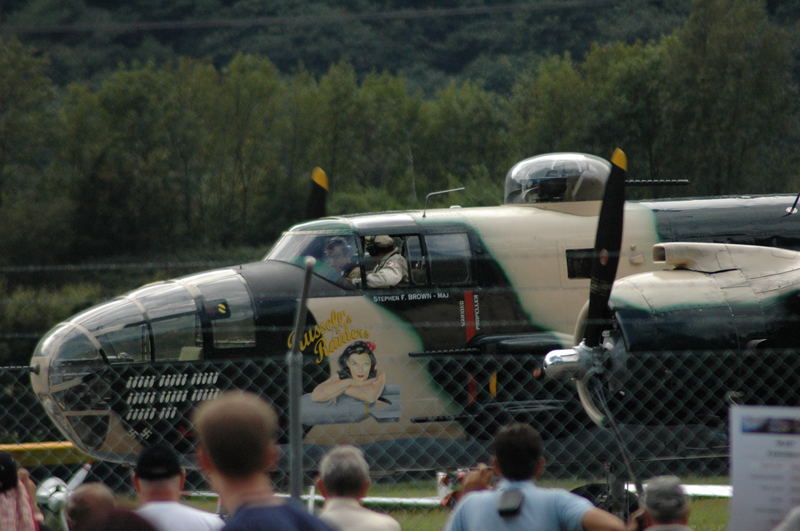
[[716, 328], [717, 296]]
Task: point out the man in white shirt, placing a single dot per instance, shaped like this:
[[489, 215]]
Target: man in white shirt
[[158, 479], [344, 480]]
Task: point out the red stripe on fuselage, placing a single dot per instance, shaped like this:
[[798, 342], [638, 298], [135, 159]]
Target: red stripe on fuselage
[[469, 314]]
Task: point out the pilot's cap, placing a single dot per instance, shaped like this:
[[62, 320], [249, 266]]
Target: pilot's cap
[[383, 241]]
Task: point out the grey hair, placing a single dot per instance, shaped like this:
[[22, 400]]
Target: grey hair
[[344, 471], [665, 499]]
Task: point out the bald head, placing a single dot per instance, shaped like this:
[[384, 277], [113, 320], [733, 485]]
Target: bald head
[[88, 505], [237, 431]]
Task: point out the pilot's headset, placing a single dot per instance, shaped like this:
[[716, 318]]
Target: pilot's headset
[[378, 244]]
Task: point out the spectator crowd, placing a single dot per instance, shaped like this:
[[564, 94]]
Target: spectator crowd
[[237, 449]]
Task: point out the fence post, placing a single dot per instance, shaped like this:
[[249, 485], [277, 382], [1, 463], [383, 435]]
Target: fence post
[[294, 361]]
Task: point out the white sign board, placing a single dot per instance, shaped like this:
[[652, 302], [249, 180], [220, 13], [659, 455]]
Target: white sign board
[[765, 465]]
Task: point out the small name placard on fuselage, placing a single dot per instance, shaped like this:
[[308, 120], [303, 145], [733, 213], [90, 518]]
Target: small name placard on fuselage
[[413, 296]]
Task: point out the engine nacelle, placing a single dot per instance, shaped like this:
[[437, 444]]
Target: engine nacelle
[[717, 296]]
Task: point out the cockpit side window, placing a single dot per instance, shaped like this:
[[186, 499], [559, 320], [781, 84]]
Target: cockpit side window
[[230, 310], [336, 254], [417, 265], [441, 259], [387, 260], [172, 313], [449, 256]]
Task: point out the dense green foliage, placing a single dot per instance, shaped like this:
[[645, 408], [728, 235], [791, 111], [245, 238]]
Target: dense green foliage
[[167, 154], [424, 41]]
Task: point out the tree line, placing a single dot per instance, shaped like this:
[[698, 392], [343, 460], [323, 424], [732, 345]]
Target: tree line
[[166, 158], [425, 41]]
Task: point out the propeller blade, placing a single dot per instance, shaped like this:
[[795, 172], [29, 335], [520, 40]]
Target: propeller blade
[[608, 242], [318, 195], [77, 479]]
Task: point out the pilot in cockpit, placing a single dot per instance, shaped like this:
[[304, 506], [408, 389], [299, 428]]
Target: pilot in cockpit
[[392, 267], [338, 255]]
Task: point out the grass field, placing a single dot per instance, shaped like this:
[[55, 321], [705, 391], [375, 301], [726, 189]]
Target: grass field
[[708, 514]]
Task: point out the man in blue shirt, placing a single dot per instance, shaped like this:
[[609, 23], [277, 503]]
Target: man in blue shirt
[[237, 448], [518, 503]]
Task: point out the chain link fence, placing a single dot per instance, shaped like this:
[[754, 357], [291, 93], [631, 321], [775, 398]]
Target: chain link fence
[[669, 411], [437, 412]]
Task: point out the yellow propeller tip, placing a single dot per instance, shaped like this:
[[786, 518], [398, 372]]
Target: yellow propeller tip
[[319, 176], [619, 159]]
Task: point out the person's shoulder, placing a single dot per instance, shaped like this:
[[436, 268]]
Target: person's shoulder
[[478, 497], [563, 500], [296, 511], [283, 516], [567, 508], [194, 510], [164, 512], [577, 499], [339, 515], [561, 494], [471, 506], [383, 520], [390, 523], [213, 520], [306, 520]]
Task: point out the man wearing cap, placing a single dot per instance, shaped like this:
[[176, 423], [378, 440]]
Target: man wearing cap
[[664, 505], [392, 267], [158, 479]]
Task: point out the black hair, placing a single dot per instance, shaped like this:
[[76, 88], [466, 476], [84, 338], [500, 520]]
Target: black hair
[[518, 450], [357, 347]]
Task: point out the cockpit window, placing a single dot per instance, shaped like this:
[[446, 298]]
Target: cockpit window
[[230, 310], [173, 318], [417, 270], [69, 342], [336, 254], [390, 260], [449, 256]]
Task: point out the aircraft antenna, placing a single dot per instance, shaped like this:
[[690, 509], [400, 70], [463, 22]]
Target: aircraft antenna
[[438, 193]]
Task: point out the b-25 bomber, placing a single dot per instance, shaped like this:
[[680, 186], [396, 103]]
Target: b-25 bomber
[[457, 346]]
